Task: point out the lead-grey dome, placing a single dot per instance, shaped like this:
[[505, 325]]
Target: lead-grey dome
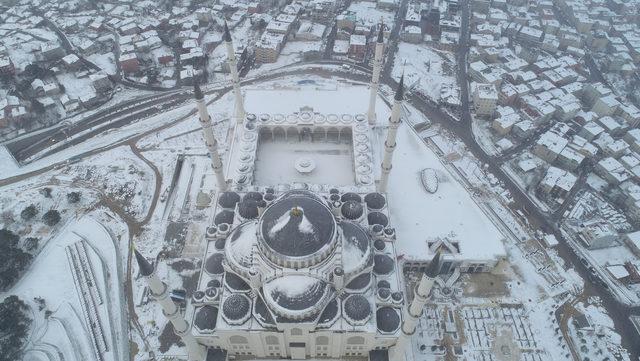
[[383, 264], [234, 282], [205, 318], [377, 218], [236, 307], [226, 216], [357, 308], [213, 264], [248, 209], [388, 319], [228, 199], [297, 225], [352, 210], [295, 296], [375, 200]]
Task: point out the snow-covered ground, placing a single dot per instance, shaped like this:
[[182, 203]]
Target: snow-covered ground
[[424, 68]]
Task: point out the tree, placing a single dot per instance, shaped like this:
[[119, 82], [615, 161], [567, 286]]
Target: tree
[[51, 218], [46, 191], [73, 197], [31, 243], [29, 212], [14, 327], [13, 260]]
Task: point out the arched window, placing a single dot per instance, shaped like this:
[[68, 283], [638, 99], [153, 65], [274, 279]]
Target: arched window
[[271, 340], [238, 339], [322, 340], [296, 332], [355, 340]]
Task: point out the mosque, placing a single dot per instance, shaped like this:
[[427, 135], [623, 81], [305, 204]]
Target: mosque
[[298, 271]]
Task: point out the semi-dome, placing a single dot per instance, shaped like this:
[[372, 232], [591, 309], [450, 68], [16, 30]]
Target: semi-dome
[[387, 319], [234, 282], [383, 284], [213, 264], [295, 296], [352, 210], [297, 227], [383, 264], [228, 199], [240, 243], [357, 308], [356, 247], [330, 312], [213, 283], [205, 318], [226, 216], [360, 282], [236, 307]]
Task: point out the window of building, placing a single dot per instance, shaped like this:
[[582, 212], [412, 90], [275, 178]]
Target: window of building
[[322, 340], [238, 339], [355, 340], [271, 340], [296, 332]]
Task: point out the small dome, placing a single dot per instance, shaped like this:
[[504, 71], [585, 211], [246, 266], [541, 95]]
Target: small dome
[[384, 293], [397, 296], [256, 196], [334, 191], [205, 318], [269, 197], [240, 244], [236, 307], [248, 209], [214, 283], [375, 200], [377, 218], [270, 190], [351, 197], [226, 216], [357, 308], [356, 247], [219, 245], [379, 244], [383, 264], [383, 284], [211, 292], [334, 198], [352, 210], [388, 319], [330, 312], [213, 265], [235, 283], [360, 282], [228, 199], [198, 295]]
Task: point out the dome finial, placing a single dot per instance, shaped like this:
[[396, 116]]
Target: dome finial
[[381, 32], [296, 211]]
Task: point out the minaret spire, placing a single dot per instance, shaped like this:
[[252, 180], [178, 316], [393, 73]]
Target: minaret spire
[[421, 294], [390, 142], [375, 78], [233, 69], [210, 138], [160, 292]]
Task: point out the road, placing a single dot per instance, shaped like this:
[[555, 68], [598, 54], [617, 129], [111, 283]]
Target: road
[[462, 129]]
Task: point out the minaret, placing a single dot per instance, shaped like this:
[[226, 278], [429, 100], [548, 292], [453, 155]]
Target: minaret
[[377, 67], [160, 292], [233, 68], [210, 138], [413, 311], [390, 142]]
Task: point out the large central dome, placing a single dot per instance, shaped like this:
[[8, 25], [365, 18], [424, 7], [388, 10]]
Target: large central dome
[[296, 229]]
